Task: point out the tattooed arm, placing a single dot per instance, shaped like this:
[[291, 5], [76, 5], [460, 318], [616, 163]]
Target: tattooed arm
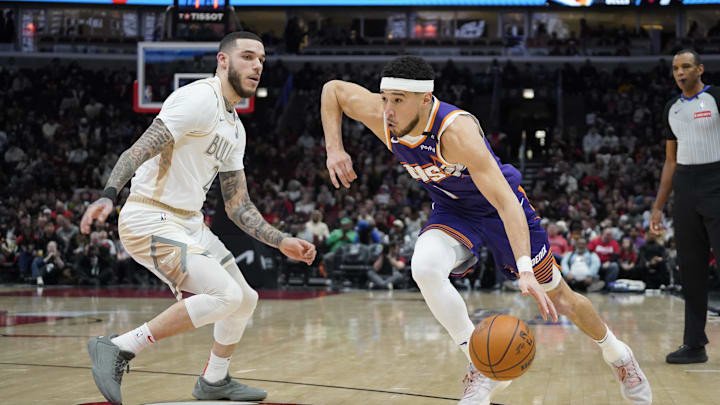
[[156, 138], [241, 210]]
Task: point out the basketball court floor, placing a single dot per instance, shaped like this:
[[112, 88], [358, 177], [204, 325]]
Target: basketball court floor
[[360, 347]]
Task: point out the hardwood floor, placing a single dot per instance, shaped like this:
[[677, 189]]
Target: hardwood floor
[[352, 348]]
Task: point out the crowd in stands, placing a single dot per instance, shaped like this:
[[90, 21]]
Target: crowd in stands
[[594, 192]]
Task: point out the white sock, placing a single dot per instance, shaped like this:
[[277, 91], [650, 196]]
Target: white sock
[[135, 340], [612, 348], [216, 368]]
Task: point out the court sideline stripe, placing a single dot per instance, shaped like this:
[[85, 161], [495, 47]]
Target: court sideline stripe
[[244, 379]]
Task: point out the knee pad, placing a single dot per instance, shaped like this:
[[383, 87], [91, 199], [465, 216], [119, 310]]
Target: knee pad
[[229, 330], [214, 306], [249, 296], [434, 257], [247, 307]]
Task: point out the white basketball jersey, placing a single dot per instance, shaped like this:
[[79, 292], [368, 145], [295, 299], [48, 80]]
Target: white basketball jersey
[[208, 140]]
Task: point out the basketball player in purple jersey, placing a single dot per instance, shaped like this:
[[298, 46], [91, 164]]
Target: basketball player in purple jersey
[[477, 200]]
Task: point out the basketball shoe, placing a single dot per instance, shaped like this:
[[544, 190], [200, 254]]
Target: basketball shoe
[[634, 386], [227, 388], [108, 365], [480, 389]]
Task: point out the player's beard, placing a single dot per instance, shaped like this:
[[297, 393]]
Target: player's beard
[[235, 80], [408, 128]]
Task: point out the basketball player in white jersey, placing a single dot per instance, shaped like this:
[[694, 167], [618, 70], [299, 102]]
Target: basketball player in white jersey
[[196, 135]]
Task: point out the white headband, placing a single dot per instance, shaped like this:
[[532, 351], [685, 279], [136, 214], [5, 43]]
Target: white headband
[[415, 86]]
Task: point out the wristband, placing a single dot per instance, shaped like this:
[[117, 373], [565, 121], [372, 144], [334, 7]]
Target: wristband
[[111, 193], [524, 265]]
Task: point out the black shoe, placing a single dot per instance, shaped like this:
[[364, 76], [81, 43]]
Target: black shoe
[[687, 355]]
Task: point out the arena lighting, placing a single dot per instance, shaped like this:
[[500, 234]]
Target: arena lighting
[[528, 94], [540, 134], [261, 92]]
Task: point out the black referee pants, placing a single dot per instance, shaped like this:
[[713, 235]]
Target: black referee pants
[[696, 218]]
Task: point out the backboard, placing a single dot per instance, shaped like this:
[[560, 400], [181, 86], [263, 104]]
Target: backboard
[[163, 67]]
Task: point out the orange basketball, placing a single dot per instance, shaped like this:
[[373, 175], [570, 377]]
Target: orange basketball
[[502, 347]]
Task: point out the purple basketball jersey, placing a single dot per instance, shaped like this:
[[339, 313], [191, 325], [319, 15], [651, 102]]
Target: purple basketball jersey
[[459, 208], [448, 185]]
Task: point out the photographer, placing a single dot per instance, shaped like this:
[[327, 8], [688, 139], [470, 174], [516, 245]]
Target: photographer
[[386, 268], [652, 262], [50, 266], [96, 262]]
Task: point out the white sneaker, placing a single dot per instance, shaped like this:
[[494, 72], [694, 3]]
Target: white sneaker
[[480, 389], [634, 386]]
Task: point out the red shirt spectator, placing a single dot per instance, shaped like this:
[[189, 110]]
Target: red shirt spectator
[[558, 244], [605, 246]]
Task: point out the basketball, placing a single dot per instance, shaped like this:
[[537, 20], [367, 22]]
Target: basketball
[[502, 347]]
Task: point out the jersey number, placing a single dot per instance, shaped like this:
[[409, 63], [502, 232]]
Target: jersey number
[[207, 186]]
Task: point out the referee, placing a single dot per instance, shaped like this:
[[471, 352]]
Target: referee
[[692, 170]]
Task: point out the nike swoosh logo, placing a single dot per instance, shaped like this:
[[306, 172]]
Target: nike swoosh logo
[[449, 194], [522, 200]]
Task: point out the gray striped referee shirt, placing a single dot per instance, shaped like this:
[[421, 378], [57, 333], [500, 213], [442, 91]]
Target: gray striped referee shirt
[[695, 124]]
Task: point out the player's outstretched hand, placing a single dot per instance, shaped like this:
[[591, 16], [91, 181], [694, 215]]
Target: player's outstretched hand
[[298, 249], [339, 165], [529, 286], [99, 210]]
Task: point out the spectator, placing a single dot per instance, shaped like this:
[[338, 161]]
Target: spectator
[[628, 260], [316, 231], [95, 264], [49, 266], [367, 233], [607, 250], [592, 142], [581, 268], [341, 236], [387, 268], [652, 262], [66, 233], [558, 244], [306, 205], [397, 235], [8, 255]]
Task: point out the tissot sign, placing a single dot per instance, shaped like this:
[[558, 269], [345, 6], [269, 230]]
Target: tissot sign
[[201, 16]]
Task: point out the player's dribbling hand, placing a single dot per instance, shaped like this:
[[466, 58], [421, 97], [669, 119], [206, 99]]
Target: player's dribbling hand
[[656, 224], [339, 164], [529, 286], [99, 210], [298, 249]]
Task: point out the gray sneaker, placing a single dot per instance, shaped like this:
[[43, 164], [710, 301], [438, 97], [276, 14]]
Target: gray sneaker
[[227, 388], [108, 366]]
